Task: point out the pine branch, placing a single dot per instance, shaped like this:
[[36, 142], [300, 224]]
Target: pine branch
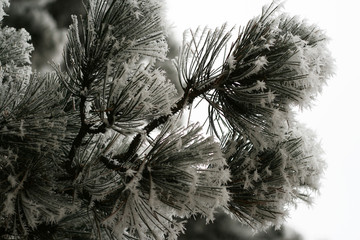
[[198, 81], [57, 168], [190, 94], [97, 42]]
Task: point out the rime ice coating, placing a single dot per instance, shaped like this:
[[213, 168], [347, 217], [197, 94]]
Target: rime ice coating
[[97, 151], [3, 3]]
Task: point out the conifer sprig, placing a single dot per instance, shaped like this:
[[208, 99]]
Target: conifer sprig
[[111, 34], [275, 63], [95, 150], [265, 182]]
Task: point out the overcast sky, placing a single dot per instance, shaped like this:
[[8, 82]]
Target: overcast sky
[[335, 117]]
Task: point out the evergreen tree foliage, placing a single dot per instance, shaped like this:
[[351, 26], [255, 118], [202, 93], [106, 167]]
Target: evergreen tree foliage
[[96, 149], [47, 36]]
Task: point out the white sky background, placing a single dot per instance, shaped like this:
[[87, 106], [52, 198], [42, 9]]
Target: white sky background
[[335, 117]]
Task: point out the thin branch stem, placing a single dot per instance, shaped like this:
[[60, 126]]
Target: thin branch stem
[[82, 132]]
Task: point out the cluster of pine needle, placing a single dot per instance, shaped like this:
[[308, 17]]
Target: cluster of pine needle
[[96, 149]]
